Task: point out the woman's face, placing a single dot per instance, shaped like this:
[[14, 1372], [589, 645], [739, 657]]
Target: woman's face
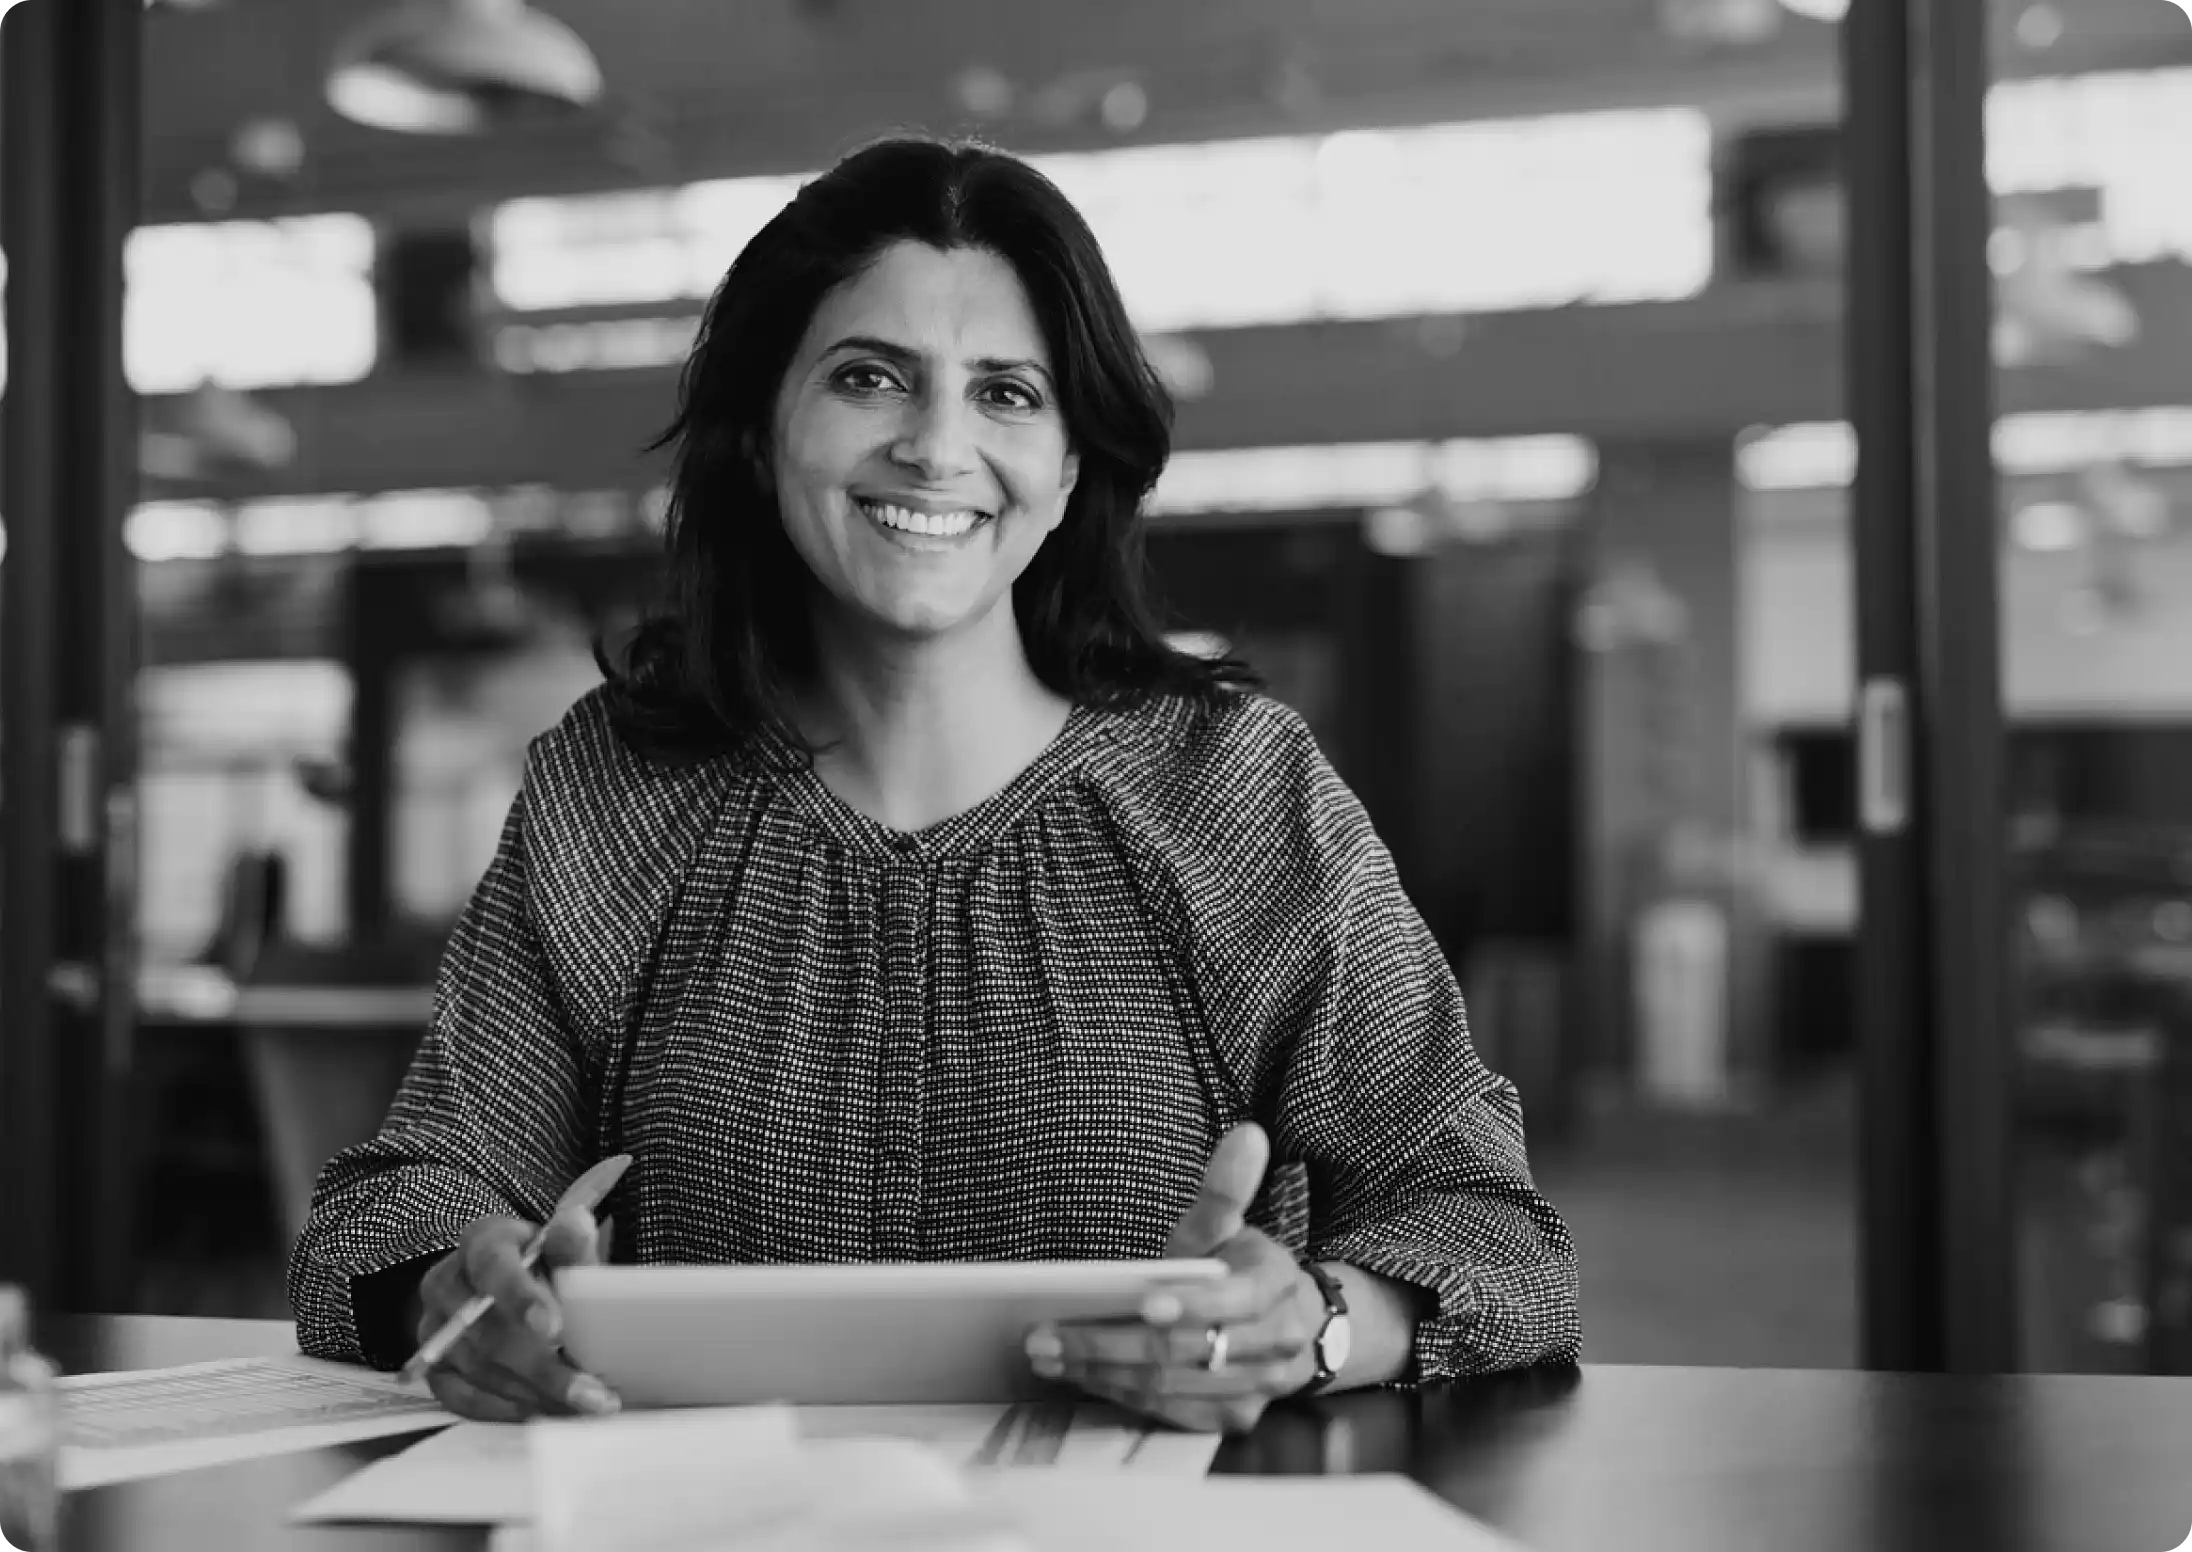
[[921, 457]]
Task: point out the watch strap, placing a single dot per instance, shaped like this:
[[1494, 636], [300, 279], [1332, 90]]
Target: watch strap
[[1335, 1308]]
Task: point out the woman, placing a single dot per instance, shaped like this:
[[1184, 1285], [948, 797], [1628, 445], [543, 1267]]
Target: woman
[[904, 896]]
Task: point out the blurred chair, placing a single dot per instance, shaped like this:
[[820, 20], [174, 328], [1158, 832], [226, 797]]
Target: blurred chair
[[326, 1033], [1517, 995], [254, 904]]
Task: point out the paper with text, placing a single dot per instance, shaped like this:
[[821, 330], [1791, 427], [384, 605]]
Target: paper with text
[[149, 1422]]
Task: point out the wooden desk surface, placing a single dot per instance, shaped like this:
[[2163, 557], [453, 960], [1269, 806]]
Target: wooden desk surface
[[202, 994], [1636, 1459]]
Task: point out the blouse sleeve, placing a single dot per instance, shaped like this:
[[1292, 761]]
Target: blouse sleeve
[[490, 1119], [1338, 1015]]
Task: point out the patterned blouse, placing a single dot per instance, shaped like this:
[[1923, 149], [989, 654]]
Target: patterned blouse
[[1014, 1035]]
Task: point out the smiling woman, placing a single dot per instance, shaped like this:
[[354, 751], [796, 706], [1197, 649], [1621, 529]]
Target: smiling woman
[[923, 457], [907, 896]]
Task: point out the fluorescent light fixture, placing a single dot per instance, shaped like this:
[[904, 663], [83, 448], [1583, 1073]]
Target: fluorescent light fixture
[[453, 67], [1376, 474], [176, 530], [1822, 455], [1483, 216], [2050, 527], [247, 304]]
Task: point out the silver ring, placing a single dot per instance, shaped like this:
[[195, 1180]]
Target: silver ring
[[1215, 1340]]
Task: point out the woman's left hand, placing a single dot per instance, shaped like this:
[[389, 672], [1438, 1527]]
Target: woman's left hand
[[1205, 1356]]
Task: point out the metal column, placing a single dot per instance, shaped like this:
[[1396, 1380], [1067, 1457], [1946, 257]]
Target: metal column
[[69, 97], [1938, 1274]]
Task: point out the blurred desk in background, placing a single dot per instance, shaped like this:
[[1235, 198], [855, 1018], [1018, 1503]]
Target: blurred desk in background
[[204, 994], [323, 1055]]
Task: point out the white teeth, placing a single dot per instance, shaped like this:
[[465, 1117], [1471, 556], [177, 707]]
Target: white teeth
[[938, 525]]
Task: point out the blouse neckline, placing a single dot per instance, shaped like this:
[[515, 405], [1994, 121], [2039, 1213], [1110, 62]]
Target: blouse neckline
[[969, 831]]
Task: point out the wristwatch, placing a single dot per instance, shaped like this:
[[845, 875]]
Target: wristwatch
[[1336, 1336]]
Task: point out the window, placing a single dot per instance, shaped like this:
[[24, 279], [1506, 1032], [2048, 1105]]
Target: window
[[247, 304], [1280, 229]]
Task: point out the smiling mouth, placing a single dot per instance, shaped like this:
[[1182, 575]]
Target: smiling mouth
[[927, 525]]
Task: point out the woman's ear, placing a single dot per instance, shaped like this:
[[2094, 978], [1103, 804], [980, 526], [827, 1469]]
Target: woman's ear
[[754, 450]]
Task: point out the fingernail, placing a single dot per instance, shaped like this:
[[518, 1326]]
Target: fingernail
[[1161, 1309], [1043, 1345], [590, 1395], [542, 1318]]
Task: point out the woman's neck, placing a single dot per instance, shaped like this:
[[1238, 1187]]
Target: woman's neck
[[912, 733]]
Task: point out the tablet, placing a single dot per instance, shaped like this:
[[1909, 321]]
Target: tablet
[[930, 1332]]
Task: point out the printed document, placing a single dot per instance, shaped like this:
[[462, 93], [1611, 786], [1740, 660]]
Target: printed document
[[148, 1422]]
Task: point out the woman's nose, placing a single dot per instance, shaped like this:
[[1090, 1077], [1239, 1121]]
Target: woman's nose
[[937, 441]]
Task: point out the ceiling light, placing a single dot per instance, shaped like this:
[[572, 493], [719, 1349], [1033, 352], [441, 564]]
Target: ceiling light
[[1819, 10], [456, 67], [2051, 527], [2039, 26]]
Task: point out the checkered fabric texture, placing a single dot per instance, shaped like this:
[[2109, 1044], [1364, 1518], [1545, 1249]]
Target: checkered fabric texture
[[1016, 1035]]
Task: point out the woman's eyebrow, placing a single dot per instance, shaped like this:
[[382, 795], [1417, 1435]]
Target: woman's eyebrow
[[875, 345]]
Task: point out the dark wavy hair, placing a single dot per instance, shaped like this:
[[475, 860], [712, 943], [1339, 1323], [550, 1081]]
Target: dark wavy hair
[[716, 665]]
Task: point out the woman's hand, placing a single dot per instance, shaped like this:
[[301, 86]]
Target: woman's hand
[[510, 1365], [1268, 1309]]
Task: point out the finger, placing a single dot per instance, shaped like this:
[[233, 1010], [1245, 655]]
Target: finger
[[1234, 1414], [1188, 1383], [1055, 1350], [510, 1358], [478, 1355], [1117, 1342], [490, 1373], [496, 1266], [1265, 1277], [574, 1239], [1229, 1186], [552, 1377]]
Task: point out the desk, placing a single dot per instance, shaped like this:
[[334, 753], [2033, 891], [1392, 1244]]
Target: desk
[[324, 1060], [1598, 1460], [205, 994]]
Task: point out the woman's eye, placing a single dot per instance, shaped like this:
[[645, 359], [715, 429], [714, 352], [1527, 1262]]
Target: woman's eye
[[1014, 396], [866, 379]]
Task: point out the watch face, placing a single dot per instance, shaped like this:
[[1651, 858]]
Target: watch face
[[1338, 1342]]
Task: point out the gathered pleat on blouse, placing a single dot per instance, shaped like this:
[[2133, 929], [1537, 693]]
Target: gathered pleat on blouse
[[1015, 1035]]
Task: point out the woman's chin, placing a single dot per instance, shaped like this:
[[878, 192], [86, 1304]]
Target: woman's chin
[[915, 620]]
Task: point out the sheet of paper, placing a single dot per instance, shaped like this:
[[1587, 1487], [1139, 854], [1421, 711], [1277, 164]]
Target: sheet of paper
[[1071, 1512], [673, 1482], [476, 1473], [472, 1474], [664, 1479], [148, 1422], [1066, 1511]]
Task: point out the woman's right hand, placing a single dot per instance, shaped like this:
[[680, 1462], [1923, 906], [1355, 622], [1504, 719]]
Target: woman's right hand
[[510, 1366]]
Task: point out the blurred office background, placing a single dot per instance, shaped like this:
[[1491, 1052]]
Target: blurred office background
[[1507, 339]]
